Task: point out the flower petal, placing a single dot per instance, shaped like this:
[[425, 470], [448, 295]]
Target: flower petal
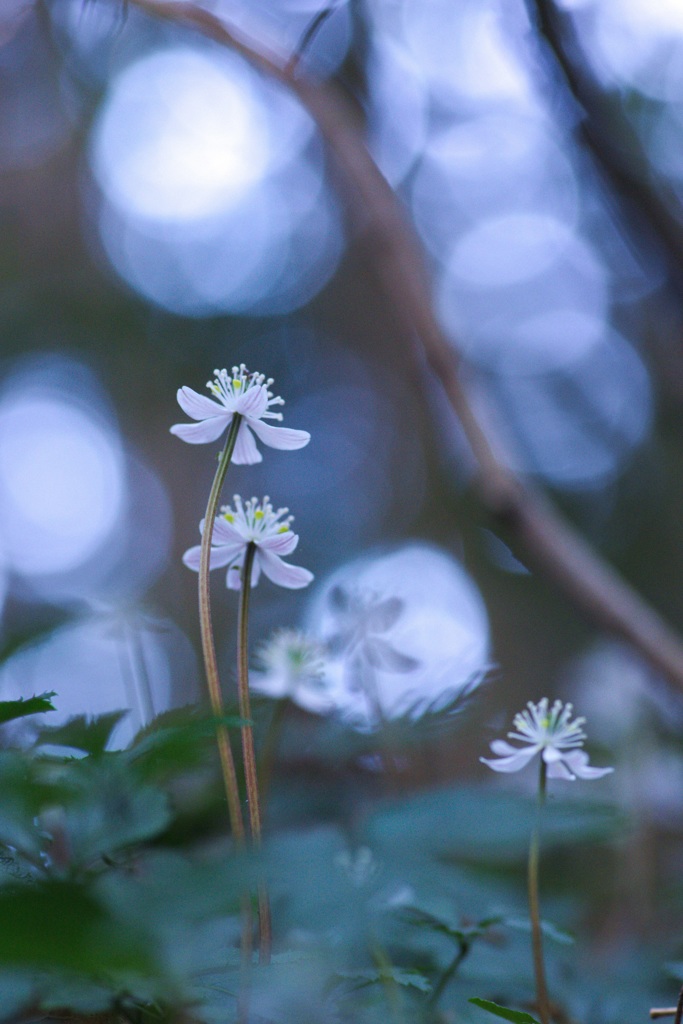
[[226, 533], [280, 437], [559, 770], [511, 763], [280, 543], [198, 407], [253, 403], [292, 576], [577, 761], [246, 453], [201, 433], [219, 556]]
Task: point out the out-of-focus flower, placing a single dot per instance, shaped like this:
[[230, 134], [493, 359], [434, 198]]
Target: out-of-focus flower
[[406, 632], [254, 522], [550, 733], [293, 665], [246, 394], [361, 617]]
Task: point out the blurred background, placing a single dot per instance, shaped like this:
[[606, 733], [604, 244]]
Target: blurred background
[[166, 210]]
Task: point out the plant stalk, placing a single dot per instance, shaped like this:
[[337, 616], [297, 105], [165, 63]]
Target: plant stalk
[[208, 647], [542, 999], [249, 757]]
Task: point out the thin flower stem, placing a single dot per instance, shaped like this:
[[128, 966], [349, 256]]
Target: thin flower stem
[[248, 754], [542, 999], [208, 647]]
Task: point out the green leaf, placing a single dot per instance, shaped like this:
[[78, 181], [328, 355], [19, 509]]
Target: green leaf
[[516, 1016], [403, 976], [90, 735], [57, 925], [552, 931], [11, 709]]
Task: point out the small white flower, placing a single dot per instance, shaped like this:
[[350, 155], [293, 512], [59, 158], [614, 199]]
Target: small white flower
[[552, 734], [293, 666], [254, 522], [237, 392]]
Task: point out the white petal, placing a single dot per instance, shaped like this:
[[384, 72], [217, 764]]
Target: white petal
[[191, 558], [559, 770], [280, 437], [198, 407], [219, 557], [511, 763], [253, 403], [503, 748], [233, 578], [201, 433], [246, 453], [226, 533], [292, 576], [280, 543], [577, 761]]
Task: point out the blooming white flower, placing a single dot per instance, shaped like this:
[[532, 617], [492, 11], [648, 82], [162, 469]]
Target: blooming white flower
[[550, 733], [254, 522], [237, 392], [293, 665]]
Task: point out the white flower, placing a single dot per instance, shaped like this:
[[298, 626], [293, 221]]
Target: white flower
[[552, 734], [255, 523], [239, 392], [293, 666]]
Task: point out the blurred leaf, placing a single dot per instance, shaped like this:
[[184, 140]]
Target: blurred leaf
[[547, 927], [515, 1016], [56, 925], [422, 918], [82, 732], [483, 824], [400, 975], [11, 709], [177, 740]]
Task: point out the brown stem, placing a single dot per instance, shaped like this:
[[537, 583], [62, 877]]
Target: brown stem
[[248, 753], [542, 1000], [208, 647], [550, 543]]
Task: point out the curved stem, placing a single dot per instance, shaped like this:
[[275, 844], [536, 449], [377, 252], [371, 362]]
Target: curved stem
[[248, 754], [536, 935], [208, 647]]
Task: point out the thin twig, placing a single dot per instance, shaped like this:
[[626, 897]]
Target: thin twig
[[551, 544], [309, 34]]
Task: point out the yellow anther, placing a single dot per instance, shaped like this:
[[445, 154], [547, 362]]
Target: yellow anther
[[258, 514]]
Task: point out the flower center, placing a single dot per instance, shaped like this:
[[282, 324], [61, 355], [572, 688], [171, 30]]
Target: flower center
[[256, 520], [226, 387]]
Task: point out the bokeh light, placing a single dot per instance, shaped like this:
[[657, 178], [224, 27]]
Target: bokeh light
[[109, 662], [213, 194]]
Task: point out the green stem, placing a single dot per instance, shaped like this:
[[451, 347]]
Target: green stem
[[208, 647], [248, 754], [542, 999], [451, 970]]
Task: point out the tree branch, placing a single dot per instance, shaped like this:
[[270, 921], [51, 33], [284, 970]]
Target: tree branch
[[610, 139], [551, 544]]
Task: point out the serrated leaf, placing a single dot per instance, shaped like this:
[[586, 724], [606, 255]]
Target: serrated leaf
[[515, 1016], [12, 709], [91, 735]]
